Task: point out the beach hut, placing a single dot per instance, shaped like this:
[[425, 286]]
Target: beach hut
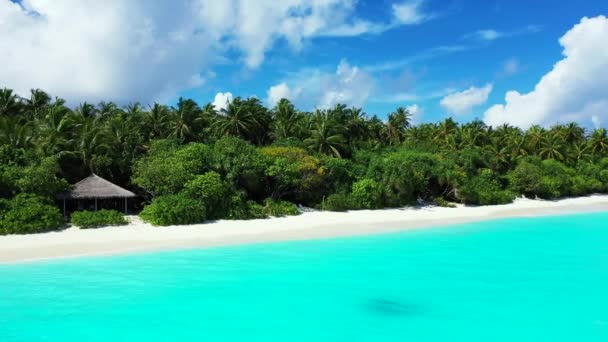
[[95, 188]]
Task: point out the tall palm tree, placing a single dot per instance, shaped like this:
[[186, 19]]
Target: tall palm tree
[[398, 122], [56, 129], [156, 122], [237, 119], [10, 104], [37, 103], [325, 136], [15, 134], [552, 148], [184, 119], [355, 125], [286, 120], [598, 141], [444, 133], [91, 141], [536, 135]]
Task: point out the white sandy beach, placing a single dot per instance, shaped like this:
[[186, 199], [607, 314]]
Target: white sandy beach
[[142, 237]]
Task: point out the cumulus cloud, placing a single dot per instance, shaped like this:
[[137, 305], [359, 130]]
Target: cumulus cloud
[[281, 91], [463, 102], [317, 89], [222, 100], [254, 26], [88, 49], [574, 90], [150, 50]]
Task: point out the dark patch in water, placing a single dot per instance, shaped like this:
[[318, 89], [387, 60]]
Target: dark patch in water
[[391, 307]]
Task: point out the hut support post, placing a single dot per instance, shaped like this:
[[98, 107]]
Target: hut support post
[[125, 206], [95, 204]]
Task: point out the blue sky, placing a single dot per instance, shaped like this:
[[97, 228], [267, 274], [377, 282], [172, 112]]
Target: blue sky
[[532, 51], [439, 58]]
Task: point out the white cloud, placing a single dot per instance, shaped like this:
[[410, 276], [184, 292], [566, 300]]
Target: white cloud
[[410, 12], [575, 89], [254, 26], [463, 102], [150, 50], [281, 91], [222, 100], [416, 112], [313, 88], [93, 50]]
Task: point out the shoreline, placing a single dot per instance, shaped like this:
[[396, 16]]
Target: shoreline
[[139, 237]]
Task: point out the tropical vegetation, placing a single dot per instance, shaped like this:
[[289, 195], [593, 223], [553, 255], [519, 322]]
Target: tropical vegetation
[[96, 219], [191, 162]]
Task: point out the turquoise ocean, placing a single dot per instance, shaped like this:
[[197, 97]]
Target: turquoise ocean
[[523, 279]]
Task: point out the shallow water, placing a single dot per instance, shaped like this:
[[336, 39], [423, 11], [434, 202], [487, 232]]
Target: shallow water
[[529, 279]]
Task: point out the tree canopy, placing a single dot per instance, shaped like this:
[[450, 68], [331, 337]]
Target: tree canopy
[[247, 160]]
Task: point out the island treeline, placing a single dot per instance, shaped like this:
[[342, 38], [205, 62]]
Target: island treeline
[[192, 163]]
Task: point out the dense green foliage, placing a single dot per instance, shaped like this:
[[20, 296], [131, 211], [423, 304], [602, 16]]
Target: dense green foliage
[[26, 214], [173, 210], [96, 219], [193, 163], [280, 208]]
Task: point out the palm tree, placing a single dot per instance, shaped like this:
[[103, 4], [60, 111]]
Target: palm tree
[[184, 119], [324, 136], [86, 110], [10, 103], [536, 135], [237, 119], [91, 141], [598, 141], [356, 128], [55, 129], [108, 110], [573, 133], [156, 122], [37, 103], [444, 133], [579, 152], [286, 120], [552, 148], [15, 134], [398, 122]]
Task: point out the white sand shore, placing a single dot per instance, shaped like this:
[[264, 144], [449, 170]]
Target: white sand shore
[[140, 237]]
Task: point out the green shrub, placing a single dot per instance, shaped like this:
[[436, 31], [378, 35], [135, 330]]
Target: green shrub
[[338, 202], [484, 190], [210, 190], [241, 209], [280, 208], [95, 219], [547, 179], [442, 202], [526, 179], [26, 214], [367, 194], [168, 167], [174, 210]]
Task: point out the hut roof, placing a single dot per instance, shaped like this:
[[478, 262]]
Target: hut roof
[[96, 187]]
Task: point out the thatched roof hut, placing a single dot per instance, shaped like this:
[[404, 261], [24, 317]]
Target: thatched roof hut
[[95, 187]]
